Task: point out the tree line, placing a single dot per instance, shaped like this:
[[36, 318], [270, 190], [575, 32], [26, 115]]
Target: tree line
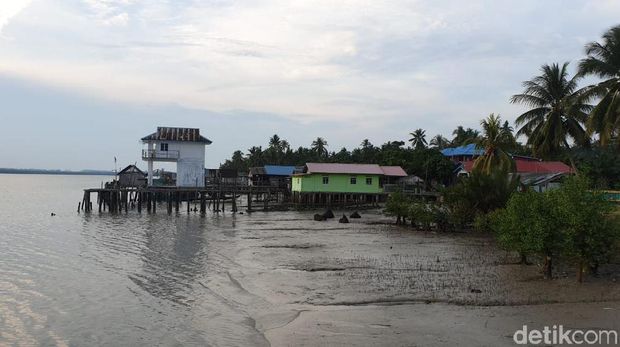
[[564, 121]]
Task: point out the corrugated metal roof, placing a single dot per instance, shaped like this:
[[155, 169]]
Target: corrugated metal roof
[[469, 149], [279, 170], [335, 168], [525, 166], [131, 169], [177, 134], [395, 171]]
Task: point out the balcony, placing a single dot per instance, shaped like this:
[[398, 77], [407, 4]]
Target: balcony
[[151, 154]]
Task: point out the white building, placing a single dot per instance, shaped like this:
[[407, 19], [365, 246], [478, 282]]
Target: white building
[[183, 146]]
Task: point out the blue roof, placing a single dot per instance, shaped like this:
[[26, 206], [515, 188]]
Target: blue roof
[[469, 149], [279, 170]]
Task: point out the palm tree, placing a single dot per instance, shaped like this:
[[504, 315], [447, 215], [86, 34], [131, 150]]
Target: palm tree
[[558, 111], [418, 139], [319, 146], [275, 142], [439, 142], [464, 136], [493, 140], [604, 61], [255, 156]]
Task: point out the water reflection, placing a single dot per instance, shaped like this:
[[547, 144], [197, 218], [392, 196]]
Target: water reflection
[[173, 256]]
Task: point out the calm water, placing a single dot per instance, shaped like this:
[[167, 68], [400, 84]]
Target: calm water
[[76, 279]]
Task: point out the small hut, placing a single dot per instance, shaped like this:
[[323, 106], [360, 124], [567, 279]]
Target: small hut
[[131, 176]]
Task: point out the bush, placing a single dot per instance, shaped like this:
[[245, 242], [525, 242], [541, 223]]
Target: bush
[[570, 221], [479, 194], [397, 205]]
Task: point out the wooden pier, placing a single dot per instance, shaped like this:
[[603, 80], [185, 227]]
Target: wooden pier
[[213, 197]]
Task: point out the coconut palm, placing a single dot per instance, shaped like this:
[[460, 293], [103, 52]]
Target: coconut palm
[[558, 111], [604, 61], [319, 146], [439, 142], [418, 139], [275, 142], [464, 136], [494, 138]]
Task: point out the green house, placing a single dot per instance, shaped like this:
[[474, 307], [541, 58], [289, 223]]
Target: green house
[[343, 178]]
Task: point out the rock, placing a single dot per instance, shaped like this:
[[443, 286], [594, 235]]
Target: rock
[[355, 215], [344, 219], [328, 214], [319, 217], [52, 214], [477, 291]]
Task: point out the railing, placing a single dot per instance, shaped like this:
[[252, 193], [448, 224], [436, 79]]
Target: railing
[[159, 155]]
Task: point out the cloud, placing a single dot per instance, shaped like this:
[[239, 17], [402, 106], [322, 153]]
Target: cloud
[[9, 9], [355, 61]]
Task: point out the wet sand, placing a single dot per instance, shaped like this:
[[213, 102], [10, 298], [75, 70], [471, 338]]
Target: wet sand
[[369, 283]]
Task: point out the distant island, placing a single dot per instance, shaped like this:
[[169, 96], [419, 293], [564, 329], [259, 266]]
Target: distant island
[[55, 172]]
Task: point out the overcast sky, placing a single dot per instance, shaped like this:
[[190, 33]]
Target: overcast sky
[[81, 81]]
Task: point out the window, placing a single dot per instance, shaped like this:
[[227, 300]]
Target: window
[[163, 147], [369, 181], [353, 180], [325, 180]]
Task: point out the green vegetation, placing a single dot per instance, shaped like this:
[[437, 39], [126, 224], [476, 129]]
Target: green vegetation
[[558, 111], [604, 61], [564, 121], [494, 138], [571, 222]]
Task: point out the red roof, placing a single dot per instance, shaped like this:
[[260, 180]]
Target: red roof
[[361, 169], [394, 171], [527, 166]]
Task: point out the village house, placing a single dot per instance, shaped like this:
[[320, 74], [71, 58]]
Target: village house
[[132, 177], [273, 175], [535, 174], [183, 146], [327, 183]]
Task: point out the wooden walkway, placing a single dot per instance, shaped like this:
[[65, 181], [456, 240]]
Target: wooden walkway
[[213, 197]]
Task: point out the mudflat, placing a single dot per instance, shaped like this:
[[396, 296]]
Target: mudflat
[[371, 283]]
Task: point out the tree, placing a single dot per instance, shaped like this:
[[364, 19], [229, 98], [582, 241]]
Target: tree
[[494, 138], [482, 192], [397, 205], [571, 221], [439, 142], [585, 220], [604, 61], [319, 146], [529, 225], [255, 156], [558, 111], [418, 139], [464, 136]]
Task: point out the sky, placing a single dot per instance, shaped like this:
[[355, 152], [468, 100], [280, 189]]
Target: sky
[[81, 81]]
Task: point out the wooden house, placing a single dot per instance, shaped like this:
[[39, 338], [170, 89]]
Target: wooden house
[[272, 175], [131, 176], [333, 183]]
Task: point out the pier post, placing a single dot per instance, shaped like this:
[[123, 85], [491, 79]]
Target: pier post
[[203, 203]]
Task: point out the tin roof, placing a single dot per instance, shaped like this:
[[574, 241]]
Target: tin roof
[[394, 171], [131, 169], [469, 149], [336, 168], [177, 134], [526, 166], [279, 170]]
